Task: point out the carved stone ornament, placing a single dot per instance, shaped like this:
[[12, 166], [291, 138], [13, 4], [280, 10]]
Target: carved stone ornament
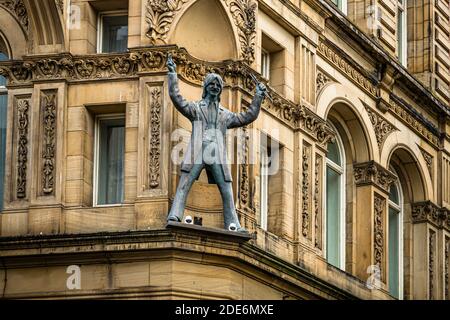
[[446, 267], [306, 225], [379, 205], [155, 137], [380, 125], [244, 188], [159, 16], [60, 5], [321, 80], [317, 213], [431, 258], [373, 173], [48, 106], [18, 9], [427, 211], [23, 106], [244, 14], [429, 161]]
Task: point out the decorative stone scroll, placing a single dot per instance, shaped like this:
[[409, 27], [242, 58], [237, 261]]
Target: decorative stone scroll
[[23, 106], [373, 173], [18, 9], [317, 203], [431, 261], [244, 14], [321, 80], [427, 211], [244, 187], [48, 109], [159, 17], [379, 208], [154, 166], [446, 267], [306, 218]]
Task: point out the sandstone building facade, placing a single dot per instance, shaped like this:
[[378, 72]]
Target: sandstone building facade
[[358, 128]]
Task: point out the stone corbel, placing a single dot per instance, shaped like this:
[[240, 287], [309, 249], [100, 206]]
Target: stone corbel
[[428, 212], [375, 174]]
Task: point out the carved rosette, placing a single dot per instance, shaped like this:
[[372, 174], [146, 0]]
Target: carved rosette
[[378, 253], [244, 14], [317, 203], [18, 9], [306, 218], [381, 127], [48, 107], [431, 258], [159, 16], [155, 137], [373, 173], [23, 106]]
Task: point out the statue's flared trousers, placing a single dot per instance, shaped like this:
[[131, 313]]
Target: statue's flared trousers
[[225, 188]]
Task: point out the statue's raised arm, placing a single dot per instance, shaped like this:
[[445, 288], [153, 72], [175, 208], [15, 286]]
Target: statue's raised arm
[[179, 102]]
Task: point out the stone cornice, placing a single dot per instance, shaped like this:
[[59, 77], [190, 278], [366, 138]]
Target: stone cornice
[[372, 173], [428, 212]]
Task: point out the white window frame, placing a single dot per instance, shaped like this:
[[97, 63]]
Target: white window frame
[[265, 64], [341, 170], [403, 41], [101, 15], [399, 209], [98, 118]]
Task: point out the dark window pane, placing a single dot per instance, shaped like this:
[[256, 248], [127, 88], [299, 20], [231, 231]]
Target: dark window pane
[[394, 225], [115, 34], [333, 153]]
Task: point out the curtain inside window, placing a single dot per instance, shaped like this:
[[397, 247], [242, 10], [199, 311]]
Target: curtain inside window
[[111, 161], [115, 34]]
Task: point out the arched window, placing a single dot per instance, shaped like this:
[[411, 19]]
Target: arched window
[[3, 109], [395, 229], [335, 203]]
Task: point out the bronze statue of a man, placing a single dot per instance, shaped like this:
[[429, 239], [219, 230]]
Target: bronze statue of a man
[[207, 147]]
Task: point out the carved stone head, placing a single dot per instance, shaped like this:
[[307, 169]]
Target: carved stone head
[[210, 77]]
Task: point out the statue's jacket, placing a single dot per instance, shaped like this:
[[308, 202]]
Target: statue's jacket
[[197, 112]]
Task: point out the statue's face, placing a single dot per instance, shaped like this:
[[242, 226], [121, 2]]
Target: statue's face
[[213, 88]]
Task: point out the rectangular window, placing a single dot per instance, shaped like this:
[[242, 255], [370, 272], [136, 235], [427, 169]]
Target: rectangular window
[[265, 64], [333, 216], [401, 32], [113, 32], [394, 224], [109, 160], [3, 109]]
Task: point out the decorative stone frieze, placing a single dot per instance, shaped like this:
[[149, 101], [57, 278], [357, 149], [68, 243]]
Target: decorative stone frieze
[[48, 109], [23, 108], [154, 166], [373, 173], [427, 211]]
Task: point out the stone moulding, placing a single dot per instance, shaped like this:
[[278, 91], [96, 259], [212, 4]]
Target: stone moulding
[[336, 59], [23, 107], [155, 137], [159, 17], [379, 205], [373, 173], [141, 62]]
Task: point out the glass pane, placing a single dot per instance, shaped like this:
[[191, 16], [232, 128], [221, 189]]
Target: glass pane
[[115, 34], [3, 56], [333, 153], [400, 34], [264, 187], [393, 194], [110, 166], [394, 252], [333, 208], [3, 109]]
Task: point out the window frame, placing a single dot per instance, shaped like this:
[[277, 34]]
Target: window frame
[[342, 171], [101, 15], [95, 182], [341, 5], [399, 208]]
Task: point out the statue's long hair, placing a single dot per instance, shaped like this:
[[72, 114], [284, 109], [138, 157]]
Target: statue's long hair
[[210, 77]]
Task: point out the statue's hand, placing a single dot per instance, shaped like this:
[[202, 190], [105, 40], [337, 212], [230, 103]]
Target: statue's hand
[[170, 64], [261, 89]]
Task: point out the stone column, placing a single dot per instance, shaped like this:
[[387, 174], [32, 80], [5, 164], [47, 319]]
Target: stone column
[[371, 223]]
